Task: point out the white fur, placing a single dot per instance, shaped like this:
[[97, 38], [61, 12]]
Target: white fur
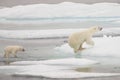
[[13, 49], [77, 39]]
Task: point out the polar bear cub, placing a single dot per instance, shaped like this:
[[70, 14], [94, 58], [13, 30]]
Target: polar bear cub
[[77, 39], [13, 49]]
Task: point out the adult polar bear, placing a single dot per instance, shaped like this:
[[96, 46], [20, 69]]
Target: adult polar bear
[[77, 39]]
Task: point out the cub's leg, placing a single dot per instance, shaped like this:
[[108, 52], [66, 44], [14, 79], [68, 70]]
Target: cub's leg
[[15, 54], [6, 55]]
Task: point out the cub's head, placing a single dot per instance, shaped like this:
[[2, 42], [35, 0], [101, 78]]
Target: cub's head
[[21, 48], [96, 28]]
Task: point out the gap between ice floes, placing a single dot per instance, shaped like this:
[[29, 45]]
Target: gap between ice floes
[[54, 33]]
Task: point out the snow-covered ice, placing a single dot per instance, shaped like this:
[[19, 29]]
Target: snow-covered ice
[[64, 9], [51, 33], [47, 69], [104, 47], [66, 62], [66, 74]]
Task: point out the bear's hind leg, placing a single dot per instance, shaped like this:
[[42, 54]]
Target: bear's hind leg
[[80, 48]]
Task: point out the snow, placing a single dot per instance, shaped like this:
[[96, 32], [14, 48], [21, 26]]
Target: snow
[[23, 34], [67, 74], [51, 33], [104, 47], [66, 62], [64, 9], [48, 68]]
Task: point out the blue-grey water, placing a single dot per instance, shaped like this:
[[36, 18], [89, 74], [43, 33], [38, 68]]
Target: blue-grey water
[[58, 22], [111, 18]]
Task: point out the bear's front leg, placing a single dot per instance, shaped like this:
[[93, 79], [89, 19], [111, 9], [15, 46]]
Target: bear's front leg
[[14, 53], [90, 42], [78, 48]]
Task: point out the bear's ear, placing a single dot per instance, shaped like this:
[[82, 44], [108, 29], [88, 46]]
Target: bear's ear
[[100, 28]]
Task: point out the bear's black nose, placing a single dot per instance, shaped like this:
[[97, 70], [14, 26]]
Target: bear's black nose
[[23, 50], [100, 28]]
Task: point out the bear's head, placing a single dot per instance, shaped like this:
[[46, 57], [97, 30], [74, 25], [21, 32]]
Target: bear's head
[[96, 28]]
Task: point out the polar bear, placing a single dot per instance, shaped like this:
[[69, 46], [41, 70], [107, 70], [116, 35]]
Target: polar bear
[[13, 49], [77, 39]]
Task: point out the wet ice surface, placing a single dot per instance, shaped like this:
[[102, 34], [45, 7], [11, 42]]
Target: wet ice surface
[[56, 60], [105, 47], [58, 68]]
